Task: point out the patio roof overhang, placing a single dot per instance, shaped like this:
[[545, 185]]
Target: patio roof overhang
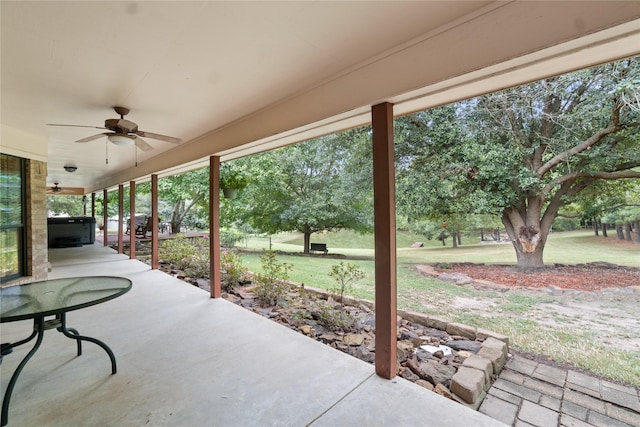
[[235, 78]]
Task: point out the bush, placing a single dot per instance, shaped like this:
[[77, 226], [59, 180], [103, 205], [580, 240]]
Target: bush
[[232, 270], [178, 251], [344, 275], [190, 255], [230, 236], [334, 318], [271, 285]]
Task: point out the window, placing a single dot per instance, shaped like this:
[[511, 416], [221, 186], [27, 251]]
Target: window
[[12, 217]]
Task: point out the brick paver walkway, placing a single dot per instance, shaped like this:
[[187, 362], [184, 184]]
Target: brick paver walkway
[[528, 393]]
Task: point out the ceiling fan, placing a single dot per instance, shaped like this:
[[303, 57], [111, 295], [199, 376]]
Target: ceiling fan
[[124, 132], [59, 190]]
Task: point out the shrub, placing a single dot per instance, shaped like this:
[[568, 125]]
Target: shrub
[[230, 236], [178, 251], [345, 275], [271, 285], [334, 318], [232, 270]]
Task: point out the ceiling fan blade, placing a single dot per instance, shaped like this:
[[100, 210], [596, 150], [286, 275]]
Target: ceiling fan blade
[[91, 138], [159, 137], [76, 126], [142, 144]]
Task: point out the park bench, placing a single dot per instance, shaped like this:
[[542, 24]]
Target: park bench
[[318, 247]]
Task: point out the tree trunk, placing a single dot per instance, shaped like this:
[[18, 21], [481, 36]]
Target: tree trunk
[[604, 230], [636, 228], [619, 232], [528, 235], [595, 226], [530, 261], [459, 236], [454, 241], [481, 234], [627, 231], [175, 227], [307, 241]]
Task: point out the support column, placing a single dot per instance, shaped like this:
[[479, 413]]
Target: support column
[[385, 240], [132, 220], [93, 205], [214, 226], [120, 218], [154, 222], [105, 218]]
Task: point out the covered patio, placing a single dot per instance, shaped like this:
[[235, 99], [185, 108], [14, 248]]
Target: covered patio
[[185, 359]]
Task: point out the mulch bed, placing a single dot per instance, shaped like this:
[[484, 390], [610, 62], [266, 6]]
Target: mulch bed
[[583, 277]]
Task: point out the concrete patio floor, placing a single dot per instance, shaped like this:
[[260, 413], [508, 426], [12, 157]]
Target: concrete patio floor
[[187, 360]]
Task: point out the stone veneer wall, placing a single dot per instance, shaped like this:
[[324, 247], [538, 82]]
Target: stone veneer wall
[[36, 223]]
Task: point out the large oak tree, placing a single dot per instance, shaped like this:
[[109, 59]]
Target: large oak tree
[[525, 152]]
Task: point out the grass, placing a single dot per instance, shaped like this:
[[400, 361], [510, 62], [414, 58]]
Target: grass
[[509, 313]]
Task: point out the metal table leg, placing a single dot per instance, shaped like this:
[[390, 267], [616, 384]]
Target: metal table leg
[[73, 334], [38, 326]]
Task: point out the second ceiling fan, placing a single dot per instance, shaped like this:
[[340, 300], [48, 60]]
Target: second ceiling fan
[[124, 132]]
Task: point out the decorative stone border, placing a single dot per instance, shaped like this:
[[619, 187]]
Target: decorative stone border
[[469, 385]]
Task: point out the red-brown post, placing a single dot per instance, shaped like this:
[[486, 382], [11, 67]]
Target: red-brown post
[[105, 218], [132, 220], [154, 222], [385, 240], [120, 218], [214, 226]]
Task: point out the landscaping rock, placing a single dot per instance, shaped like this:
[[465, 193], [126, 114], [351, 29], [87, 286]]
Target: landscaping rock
[[468, 384], [481, 364], [467, 345], [436, 373], [462, 330]]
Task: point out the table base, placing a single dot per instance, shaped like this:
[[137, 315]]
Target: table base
[[39, 326]]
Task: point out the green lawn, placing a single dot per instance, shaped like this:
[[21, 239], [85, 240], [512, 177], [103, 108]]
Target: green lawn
[[419, 293]]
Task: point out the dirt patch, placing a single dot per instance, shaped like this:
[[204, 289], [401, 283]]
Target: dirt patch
[[583, 277], [600, 298]]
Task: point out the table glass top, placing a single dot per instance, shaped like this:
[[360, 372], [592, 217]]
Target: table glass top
[[58, 295]]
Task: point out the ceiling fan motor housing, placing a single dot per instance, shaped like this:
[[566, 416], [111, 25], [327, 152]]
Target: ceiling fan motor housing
[[120, 125]]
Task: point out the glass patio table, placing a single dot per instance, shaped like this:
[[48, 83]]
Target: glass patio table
[[54, 298]]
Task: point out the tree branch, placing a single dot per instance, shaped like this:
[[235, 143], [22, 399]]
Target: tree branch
[[577, 149]]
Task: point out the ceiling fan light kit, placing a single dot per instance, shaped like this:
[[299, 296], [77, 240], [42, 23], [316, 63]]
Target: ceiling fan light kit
[[70, 168], [120, 139], [124, 132]]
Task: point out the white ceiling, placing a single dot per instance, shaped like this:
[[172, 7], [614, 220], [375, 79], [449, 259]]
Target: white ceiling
[[231, 78]]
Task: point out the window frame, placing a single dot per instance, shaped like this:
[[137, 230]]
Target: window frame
[[22, 227]]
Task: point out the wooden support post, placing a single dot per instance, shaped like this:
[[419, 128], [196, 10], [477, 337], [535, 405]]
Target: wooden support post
[[132, 220], [105, 218], [93, 205], [214, 226], [385, 240], [154, 222], [120, 218]]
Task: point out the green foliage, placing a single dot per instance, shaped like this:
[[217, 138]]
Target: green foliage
[[345, 275], [271, 285], [523, 153], [233, 272], [318, 185], [334, 318], [230, 236], [71, 205], [183, 192], [233, 175], [190, 255]]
